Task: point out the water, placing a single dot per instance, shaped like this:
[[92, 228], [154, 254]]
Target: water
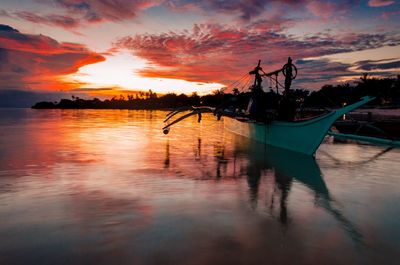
[[107, 187]]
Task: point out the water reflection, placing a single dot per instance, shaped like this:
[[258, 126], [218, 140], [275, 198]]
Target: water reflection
[[256, 161], [108, 187], [367, 160], [166, 161], [289, 167]]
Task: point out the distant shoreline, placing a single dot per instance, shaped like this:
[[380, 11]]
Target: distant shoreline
[[160, 109], [386, 92]]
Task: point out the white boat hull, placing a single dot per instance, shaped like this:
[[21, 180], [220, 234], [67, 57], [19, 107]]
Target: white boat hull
[[303, 136]]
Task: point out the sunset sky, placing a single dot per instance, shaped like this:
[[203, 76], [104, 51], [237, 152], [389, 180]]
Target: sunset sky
[[108, 47]]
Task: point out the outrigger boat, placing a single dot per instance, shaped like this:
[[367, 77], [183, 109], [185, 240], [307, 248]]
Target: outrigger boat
[[278, 129]]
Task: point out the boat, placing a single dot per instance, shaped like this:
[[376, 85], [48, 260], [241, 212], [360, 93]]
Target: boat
[[279, 129], [299, 136]]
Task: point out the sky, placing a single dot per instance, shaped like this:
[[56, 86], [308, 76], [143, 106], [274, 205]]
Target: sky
[[111, 47]]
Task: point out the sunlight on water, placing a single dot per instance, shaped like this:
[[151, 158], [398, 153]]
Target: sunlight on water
[[107, 187]]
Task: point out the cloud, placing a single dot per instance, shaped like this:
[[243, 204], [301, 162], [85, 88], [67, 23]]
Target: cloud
[[380, 3], [52, 20], [371, 65], [6, 28], [220, 53], [314, 73], [94, 11], [118, 10], [107, 10], [67, 22], [39, 62], [389, 14], [4, 13], [322, 9], [246, 9], [83, 12], [12, 39], [250, 9]]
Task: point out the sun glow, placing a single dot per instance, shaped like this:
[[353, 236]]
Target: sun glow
[[120, 71]]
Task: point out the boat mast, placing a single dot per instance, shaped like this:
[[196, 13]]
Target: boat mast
[[258, 78]]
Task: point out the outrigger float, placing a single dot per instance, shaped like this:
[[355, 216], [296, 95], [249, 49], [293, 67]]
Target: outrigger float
[[277, 129]]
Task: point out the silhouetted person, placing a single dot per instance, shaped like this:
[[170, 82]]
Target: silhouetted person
[[256, 107], [287, 71]]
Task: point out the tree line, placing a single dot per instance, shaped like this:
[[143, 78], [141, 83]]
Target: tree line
[[386, 91]]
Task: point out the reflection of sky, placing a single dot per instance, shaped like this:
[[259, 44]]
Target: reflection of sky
[[86, 186]]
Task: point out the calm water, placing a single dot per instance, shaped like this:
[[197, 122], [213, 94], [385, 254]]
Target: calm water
[[107, 187]]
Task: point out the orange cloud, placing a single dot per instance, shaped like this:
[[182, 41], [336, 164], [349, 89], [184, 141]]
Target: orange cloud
[[219, 53], [379, 3], [38, 61]]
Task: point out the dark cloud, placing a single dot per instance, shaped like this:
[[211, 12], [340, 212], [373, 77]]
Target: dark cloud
[[370, 65], [52, 20], [117, 10], [81, 12], [64, 21], [317, 72], [84, 12], [248, 9], [12, 39], [106, 10], [6, 28]]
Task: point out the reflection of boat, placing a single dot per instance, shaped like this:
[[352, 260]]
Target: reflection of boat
[[277, 128], [255, 162], [288, 167]]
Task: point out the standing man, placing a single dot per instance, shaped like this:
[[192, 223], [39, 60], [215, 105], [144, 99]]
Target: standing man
[[287, 71], [256, 107]]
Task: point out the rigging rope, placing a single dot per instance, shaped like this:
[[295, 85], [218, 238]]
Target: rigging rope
[[234, 83], [245, 84]]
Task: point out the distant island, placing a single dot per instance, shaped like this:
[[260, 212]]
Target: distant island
[[386, 91]]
